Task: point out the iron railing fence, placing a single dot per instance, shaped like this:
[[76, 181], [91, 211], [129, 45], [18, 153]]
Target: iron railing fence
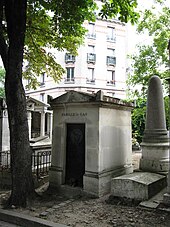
[[5, 160], [41, 161]]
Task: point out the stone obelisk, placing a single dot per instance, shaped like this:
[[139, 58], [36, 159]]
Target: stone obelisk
[[155, 143], [166, 198]]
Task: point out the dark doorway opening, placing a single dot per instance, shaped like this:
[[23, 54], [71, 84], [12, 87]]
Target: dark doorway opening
[[75, 154]]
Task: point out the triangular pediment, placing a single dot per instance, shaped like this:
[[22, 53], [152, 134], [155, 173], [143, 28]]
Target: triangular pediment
[[73, 97], [34, 104]]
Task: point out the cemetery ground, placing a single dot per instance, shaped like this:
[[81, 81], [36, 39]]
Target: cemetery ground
[[82, 211]]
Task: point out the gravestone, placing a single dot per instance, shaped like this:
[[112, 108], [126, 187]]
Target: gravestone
[[91, 141], [166, 198], [4, 127], [155, 143]]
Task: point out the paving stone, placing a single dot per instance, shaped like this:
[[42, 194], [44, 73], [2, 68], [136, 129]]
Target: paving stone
[[165, 209], [62, 204], [43, 214], [68, 201], [149, 204], [50, 210], [56, 206], [71, 200]]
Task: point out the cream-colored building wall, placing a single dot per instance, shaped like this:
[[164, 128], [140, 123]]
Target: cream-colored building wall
[[115, 138], [100, 67]]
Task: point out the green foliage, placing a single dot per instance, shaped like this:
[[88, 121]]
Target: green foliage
[[138, 119], [152, 59], [2, 81], [123, 8], [167, 111]]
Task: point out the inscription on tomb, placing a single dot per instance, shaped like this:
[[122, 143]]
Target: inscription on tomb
[[81, 114]]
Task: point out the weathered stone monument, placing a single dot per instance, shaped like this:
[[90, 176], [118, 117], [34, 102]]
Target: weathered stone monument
[[155, 152], [166, 199], [155, 144], [4, 127], [91, 141]]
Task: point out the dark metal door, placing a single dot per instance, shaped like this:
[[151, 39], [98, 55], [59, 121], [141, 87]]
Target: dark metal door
[[75, 154]]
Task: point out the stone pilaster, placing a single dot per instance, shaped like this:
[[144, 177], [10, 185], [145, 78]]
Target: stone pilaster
[[42, 127]]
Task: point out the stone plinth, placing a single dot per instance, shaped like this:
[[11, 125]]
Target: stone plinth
[[154, 157], [138, 185]]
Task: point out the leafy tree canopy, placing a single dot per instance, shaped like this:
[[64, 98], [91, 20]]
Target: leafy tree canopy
[[152, 59]]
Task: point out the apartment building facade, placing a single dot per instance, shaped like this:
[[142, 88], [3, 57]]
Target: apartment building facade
[[99, 65]]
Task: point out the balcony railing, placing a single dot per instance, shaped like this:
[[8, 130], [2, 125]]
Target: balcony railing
[[111, 39], [42, 84], [111, 82], [91, 35], [91, 58], [90, 81], [69, 58], [111, 60], [69, 80]]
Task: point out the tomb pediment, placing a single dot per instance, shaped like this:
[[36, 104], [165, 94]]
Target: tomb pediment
[[35, 105], [73, 97], [81, 97]]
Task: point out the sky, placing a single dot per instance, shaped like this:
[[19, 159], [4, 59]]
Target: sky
[[133, 37]]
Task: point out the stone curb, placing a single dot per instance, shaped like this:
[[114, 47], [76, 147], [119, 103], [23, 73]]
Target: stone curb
[[25, 220]]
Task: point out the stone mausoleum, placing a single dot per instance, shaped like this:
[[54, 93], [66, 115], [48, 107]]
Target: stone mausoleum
[[91, 141]]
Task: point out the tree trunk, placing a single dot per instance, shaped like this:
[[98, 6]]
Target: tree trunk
[[22, 181]]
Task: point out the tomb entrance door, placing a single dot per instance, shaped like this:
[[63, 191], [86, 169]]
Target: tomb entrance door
[[75, 154]]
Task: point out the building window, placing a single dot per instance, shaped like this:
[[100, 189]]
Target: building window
[[111, 52], [91, 49], [69, 58], [91, 56], [91, 31], [111, 77], [27, 86], [70, 75], [90, 77], [42, 97], [42, 79], [111, 59], [111, 36]]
